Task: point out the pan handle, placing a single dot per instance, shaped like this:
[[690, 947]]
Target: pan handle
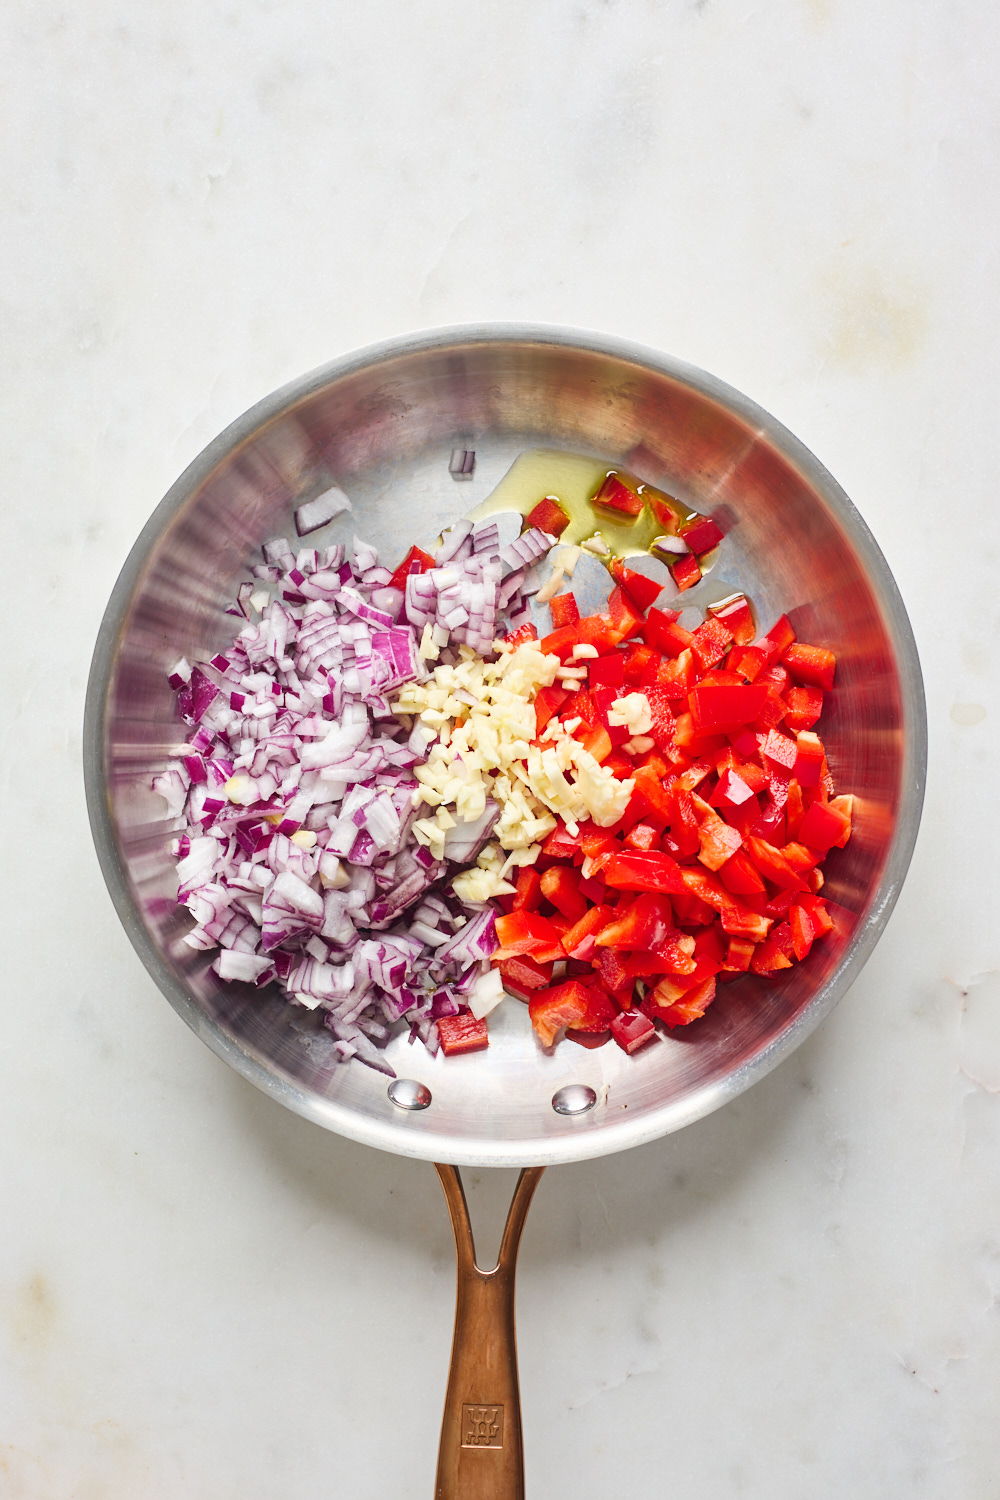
[[481, 1456]]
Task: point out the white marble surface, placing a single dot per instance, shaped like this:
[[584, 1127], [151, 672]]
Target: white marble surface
[[204, 1297]]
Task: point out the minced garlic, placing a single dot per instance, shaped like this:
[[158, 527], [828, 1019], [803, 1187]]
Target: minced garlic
[[484, 749]]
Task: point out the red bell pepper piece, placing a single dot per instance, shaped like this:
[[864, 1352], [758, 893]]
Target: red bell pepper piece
[[664, 726], [731, 793], [462, 1034], [607, 671], [596, 631], [610, 966], [562, 844], [702, 535], [642, 837], [579, 941], [678, 677], [632, 1030], [710, 641], [548, 701], [741, 876], [598, 742], [561, 887], [624, 618], [527, 932], [802, 931], [812, 664], [794, 809], [573, 1004], [645, 924], [803, 707], [664, 634], [736, 614], [615, 496], [726, 708], [775, 952], [521, 636], [603, 697], [718, 841], [548, 515], [528, 889], [561, 642], [810, 758], [779, 753], [773, 865], [747, 661], [645, 872], [641, 590], [690, 1006], [522, 974], [686, 572], [818, 914], [564, 610], [739, 954], [827, 824], [639, 664], [737, 920], [778, 638], [415, 561]]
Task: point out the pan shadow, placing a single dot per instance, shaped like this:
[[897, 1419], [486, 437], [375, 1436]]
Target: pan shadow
[[641, 1192]]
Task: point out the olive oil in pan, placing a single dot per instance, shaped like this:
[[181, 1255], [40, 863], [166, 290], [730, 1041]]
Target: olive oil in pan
[[574, 480]]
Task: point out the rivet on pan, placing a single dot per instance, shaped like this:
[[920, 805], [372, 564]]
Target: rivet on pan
[[407, 1093], [574, 1099]]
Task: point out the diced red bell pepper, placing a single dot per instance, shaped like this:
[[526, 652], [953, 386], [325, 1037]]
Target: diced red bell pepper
[[462, 1034], [632, 1030], [596, 631], [772, 709], [561, 887], [740, 875], [548, 701], [800, 857], [603, 699], [702, 535], [688, 1007], [737, 920], [747, 661], [810, 758], [778, 638], [645, 872], [778, 753], [794, 809], [718, 841], [818, 914], [710, 641], [623, 615], [607, 672], [827, 824], [803, 707], [776, 676], [775, 952], [802, 930], [415, 561], [682, 819], [610, 966], [664, 726], [773, 865], [615, 496], [527, 932], [726, 708], [739, 954], [645, 924], [639, 664], [663, 633], [528, 889], [736, 614], [561, 642], [564, 610], [562, 844], [597, 742], [643, 837], [548, 515], [581, 705], [812, 664], [686, 572], [731, 792], [579, 941], [771, 823], [522, 974], [521, 636], [641, 590], [679, 676], [572, 1004]]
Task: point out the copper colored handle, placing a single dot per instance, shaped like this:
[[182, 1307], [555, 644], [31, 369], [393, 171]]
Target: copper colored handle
[[481, 1456]]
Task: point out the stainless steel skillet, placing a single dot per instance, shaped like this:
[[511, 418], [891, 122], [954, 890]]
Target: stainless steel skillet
[[382, 423]]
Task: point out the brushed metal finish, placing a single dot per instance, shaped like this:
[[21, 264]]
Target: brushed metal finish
[[383, 423], [481, 1454]]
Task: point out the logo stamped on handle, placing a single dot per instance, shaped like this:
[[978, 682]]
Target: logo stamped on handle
[[482, 1426]]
